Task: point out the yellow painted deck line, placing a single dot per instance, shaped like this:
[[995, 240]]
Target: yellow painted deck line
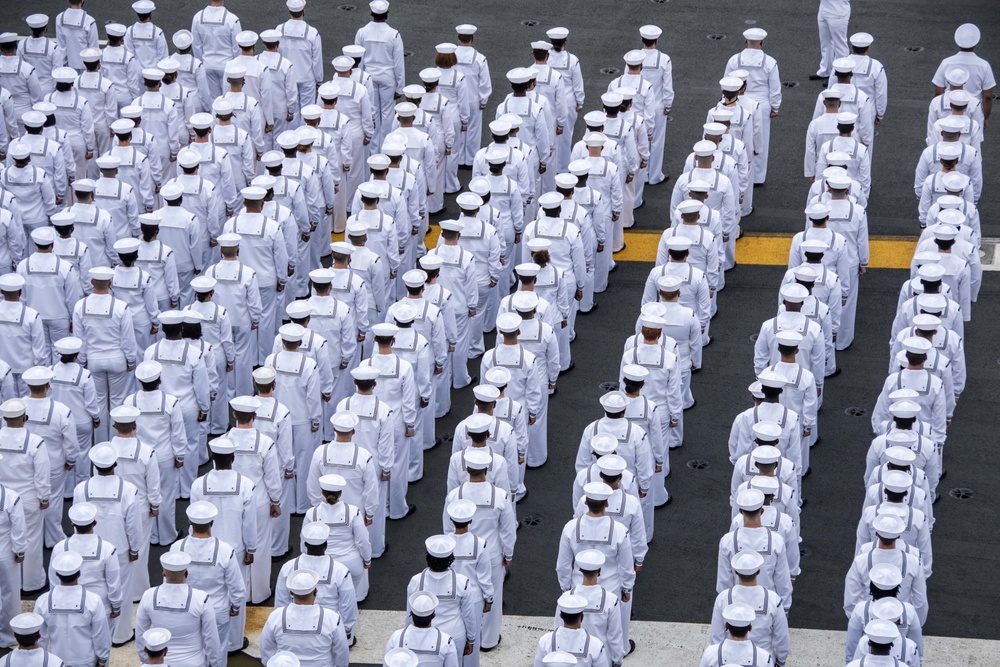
[[887, 252]]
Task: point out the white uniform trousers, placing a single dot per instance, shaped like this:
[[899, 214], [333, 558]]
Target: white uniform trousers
[[259, 573], [359, 575], [747, 204], [603, 262], [480, 324], [425, 421], [384, 106], [241, 379], [340, 206], [415, 450], [451, 183], [112, 384], [647, 505], [357, 174], [184, 277], [54, 532], [563, 338], [222, 622], [163, 530], [81, 471], [460, 357], [195, 450], [492, 620], [845, 335], [307, 96], [140, 568], [32, 572], [688, 398], [470, 141], [319, 247], [442, 388], [626, 608], [281, 526], [122, 627], [830, 365], [304, 443], [654, 170], [564, 141], [832, 41], [627, 218], [674, 437], [658, 489], [267, 328], [218, 410], [213, 78], [760, 168], [237, 624], [376, 531], [640, 189], [587, 302], [435, 174], [10, 596], [54, 330], [538, 435], [399, 478]]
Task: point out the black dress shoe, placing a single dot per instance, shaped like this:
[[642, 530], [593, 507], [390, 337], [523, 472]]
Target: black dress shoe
[[631, 647], [835, 373], [483, 649], [246, 643], [592, 309], [694, 403], [569, 369], [409, 510], [803, 503], [613, 268], [710, 340], [523, 496], [37, 591], [540, 465], [669, 500], [944, 473], [808, 472], [818, 77], [120, 644]]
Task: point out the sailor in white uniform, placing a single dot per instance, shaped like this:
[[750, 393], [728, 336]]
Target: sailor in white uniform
[[76, 624], [155, 641], [137, 464], [13, 544], [736, 647], [763, 86], [494, 522], [75, 30], [214, 568], [774, 574], [456, 614], [110, 353], [419, 643], [571, 643], [349, 542], [257, 459], [27, 651], [602, 617], [334, 589], [396, 386], [375, 431], [273, 419], [53, 422], [118, 522], [769, 629], [51, 286], [100, 572], [598, 530], [185, 611], [354, 463], [26, 472]]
